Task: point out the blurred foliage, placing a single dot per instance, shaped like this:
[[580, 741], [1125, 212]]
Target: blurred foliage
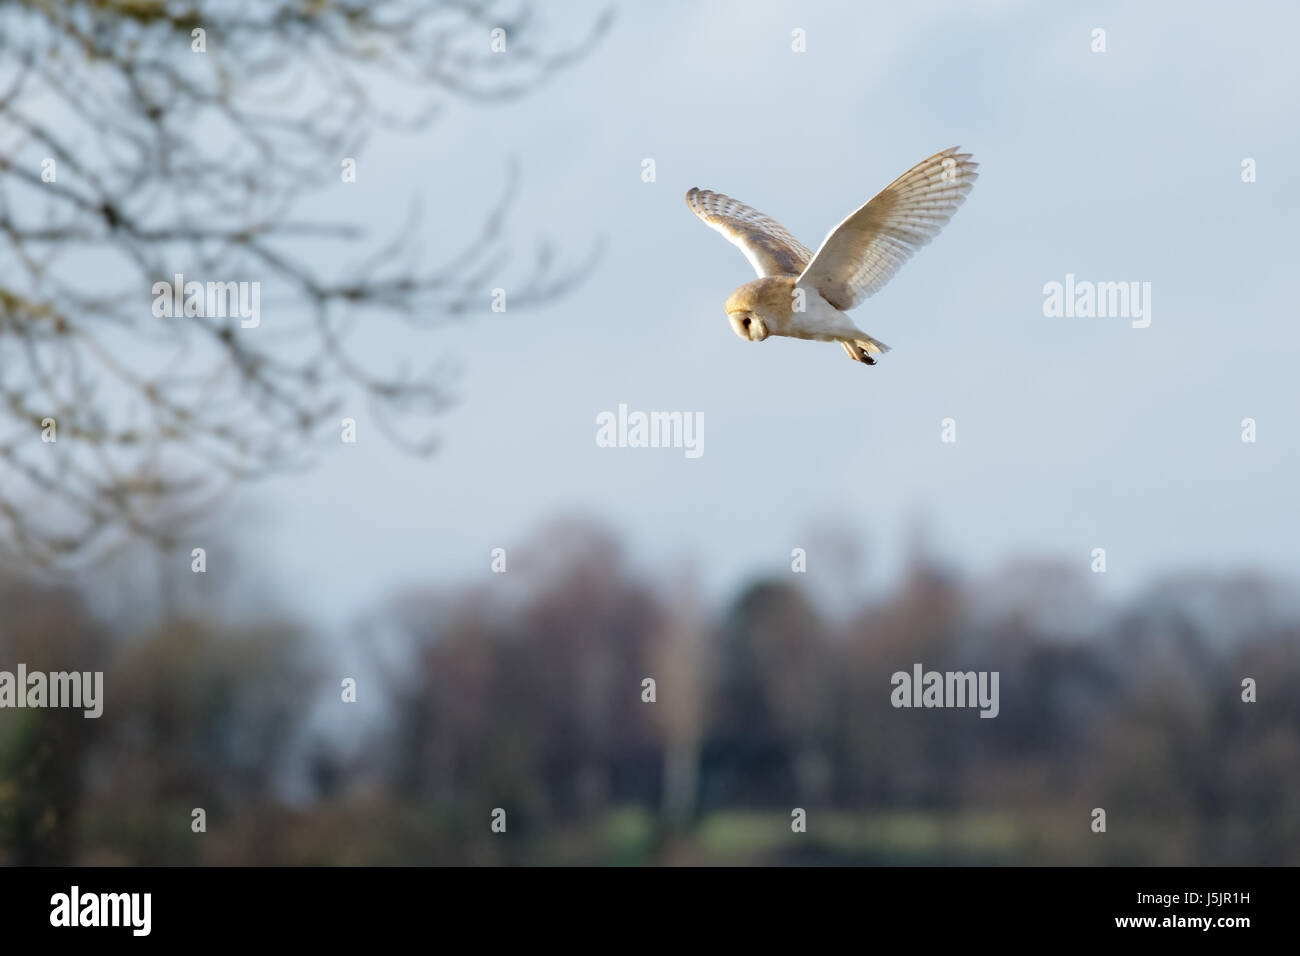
[[524, 692]]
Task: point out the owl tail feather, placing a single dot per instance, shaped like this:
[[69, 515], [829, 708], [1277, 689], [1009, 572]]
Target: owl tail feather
[[871, 345]]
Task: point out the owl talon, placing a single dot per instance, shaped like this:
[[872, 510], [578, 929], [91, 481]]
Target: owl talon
[[857, 353]]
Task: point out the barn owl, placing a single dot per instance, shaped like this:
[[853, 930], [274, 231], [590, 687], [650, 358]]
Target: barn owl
[[804, 296]]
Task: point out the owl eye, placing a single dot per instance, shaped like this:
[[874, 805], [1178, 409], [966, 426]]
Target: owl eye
[[745, 323]]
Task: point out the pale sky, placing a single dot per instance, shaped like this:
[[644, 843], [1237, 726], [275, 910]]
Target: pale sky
[[1072, 434]]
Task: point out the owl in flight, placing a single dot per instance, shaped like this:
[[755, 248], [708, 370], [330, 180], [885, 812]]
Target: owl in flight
[[804, 296]]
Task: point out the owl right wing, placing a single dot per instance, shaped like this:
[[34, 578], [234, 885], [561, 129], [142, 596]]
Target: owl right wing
[[864, 251], [768, 245]]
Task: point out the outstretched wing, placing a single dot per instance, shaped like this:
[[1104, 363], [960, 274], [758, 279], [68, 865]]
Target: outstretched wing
[[863, 252], [767, 244]]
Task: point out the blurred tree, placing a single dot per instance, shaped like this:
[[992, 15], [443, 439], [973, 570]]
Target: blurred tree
[[525, 694], [200, 717], [767, 723], [140, 140], [890, 756], [676, 661], [43, 751]]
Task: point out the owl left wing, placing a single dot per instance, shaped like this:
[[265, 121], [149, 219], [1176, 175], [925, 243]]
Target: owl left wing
[[864, 251], [768, 245]]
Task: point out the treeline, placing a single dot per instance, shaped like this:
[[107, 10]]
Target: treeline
[[530, 692]]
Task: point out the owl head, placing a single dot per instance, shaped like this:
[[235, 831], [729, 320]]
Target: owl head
[[758, 306]]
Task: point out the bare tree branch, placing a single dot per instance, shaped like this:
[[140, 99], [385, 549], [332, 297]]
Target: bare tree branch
[[128, 153]]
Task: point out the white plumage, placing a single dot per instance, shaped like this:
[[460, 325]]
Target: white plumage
[[855, 260]]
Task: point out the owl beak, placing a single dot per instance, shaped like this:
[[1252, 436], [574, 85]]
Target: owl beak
[[740, 323], [748, 326]]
